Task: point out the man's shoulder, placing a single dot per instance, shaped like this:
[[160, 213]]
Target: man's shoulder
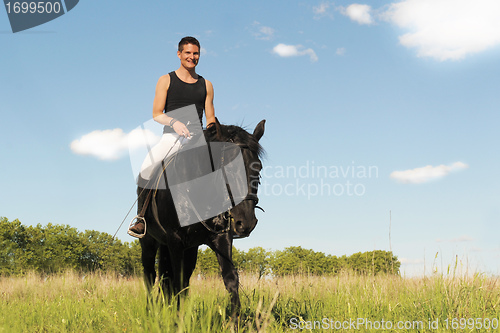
[[207, 82], [165, 77], [164, 80], [209, 88]]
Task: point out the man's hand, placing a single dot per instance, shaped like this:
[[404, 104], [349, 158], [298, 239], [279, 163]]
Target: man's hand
[[181, 129]]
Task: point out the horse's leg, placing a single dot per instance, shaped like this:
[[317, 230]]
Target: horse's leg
[[176, 252], [165, 272], [149, 248], [190, 257], [223, 248]]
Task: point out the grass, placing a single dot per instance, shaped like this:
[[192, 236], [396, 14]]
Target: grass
[[70, 302]]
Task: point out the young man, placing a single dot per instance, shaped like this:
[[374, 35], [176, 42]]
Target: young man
[[175, 90]]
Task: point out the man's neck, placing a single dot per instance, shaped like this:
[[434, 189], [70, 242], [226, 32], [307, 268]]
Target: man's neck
[[186, 75]]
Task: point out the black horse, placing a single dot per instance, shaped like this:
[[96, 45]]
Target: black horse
[[178, 245]]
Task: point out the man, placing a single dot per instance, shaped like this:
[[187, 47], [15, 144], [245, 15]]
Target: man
[[175, 90]]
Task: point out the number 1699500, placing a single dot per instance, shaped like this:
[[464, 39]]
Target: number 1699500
[[33, 7]]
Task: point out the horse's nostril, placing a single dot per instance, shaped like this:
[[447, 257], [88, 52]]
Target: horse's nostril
[[239, 224]]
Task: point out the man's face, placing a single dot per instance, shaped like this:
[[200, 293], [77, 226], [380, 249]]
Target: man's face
[[189, 56]]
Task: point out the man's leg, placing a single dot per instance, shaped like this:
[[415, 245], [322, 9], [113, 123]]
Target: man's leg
[[168, 145], [142, 196]]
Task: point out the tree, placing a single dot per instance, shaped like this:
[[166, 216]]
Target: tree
[[373, 262], [12, 247], [257, 261], [207, 263], [296, 260], [53, 248]]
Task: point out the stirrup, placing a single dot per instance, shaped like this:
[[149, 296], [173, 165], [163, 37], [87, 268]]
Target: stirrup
[[134, 221]]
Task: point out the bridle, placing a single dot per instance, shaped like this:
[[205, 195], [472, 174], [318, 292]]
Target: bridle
[[226, 217]]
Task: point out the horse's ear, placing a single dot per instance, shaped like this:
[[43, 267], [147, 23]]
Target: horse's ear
[[258, 132], [220, 131]]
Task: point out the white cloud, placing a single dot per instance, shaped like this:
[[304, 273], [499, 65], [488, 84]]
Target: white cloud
[[322, 10], [284, 50], [262, 32], [358, 13], [427, 173], [111, 144], [340, 51], [447, 29]]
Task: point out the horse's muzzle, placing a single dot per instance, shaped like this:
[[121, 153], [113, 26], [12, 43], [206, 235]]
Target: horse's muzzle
[[242, 229]]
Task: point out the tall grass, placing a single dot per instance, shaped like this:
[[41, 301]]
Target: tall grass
[[106, 303]]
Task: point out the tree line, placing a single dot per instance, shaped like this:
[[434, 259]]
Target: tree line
[[295, 260], [55, 248]]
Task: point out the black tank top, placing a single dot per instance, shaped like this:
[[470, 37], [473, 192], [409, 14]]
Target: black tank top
[[182, 94]]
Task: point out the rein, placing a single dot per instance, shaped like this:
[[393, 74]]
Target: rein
[[227, 216], [224, 218]]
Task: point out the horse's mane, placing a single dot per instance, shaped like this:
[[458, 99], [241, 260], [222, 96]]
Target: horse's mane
[[240, 136]]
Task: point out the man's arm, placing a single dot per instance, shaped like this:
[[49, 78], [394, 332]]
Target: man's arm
[[159, 105], [160, 99], [209, 104]]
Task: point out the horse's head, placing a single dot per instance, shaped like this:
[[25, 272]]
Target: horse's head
[[243, 214]]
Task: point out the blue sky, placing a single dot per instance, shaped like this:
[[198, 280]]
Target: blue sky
[[406, 90]]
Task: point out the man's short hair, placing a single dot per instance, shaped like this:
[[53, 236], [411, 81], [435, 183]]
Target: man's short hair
[[188, 40]]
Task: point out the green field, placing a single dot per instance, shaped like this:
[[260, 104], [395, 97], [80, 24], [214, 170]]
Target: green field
[[71, 302]]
